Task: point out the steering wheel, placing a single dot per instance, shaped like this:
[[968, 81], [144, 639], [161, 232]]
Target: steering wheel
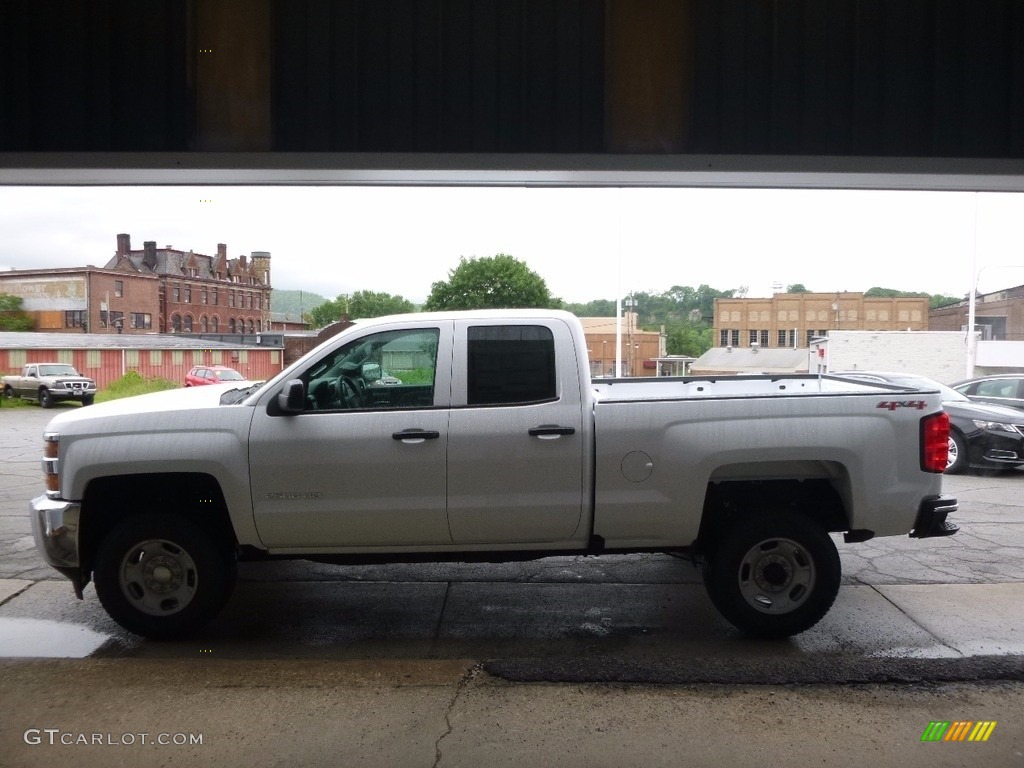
[[350, 393]]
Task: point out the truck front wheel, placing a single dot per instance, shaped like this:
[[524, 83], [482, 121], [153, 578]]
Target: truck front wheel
[[45, 398], [161, 576], [773, 575]]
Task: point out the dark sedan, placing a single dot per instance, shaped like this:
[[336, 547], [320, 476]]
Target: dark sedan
[[981, 436], [1005, 389]]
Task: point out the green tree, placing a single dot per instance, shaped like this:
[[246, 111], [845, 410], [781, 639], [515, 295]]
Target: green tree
[[357, 305], [326, 313], [595, 308], [690, 339], [934, 300], [492, 282], [377, 304], [12, 317], [941, 300], [797, 288]]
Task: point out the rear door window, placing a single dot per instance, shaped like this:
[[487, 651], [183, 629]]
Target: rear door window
[[510, 364]]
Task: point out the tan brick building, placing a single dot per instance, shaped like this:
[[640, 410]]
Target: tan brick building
[[793, 319], [640, 349]]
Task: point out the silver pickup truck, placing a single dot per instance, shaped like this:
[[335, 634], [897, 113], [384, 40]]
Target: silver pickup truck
[[49, 383], [480, 437]]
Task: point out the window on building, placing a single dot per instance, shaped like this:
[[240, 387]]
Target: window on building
[[176, 323], [142, 320], [735, 337], [753, 338], [764, 338], [723, 338], [118, 288], [213, 297], [75, 318], [231, 325], [204, 324], [259, 301], [214, 324], [510, 364], [188, 323], [116, 320], [176, 294], [188, 294], [252, 326], [781, 339], [231, 299], [203, 295]]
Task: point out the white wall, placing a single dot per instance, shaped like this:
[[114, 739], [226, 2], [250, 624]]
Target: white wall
[[939, 355], [1001, 356]]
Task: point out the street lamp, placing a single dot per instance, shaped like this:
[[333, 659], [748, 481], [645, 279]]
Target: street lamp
[[629, 305]]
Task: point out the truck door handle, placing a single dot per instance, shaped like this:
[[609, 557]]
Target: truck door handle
[[415, 435], [551, 430]]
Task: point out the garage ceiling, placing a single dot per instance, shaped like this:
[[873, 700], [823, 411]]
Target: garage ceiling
[[916, 94]]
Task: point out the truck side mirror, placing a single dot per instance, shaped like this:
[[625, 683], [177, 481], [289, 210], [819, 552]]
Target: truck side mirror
[[292, 399]]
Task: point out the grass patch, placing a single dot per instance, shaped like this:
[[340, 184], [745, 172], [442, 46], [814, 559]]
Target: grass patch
[[132, 384], [16, 402]]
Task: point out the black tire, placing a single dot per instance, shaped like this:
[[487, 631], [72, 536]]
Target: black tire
[[45, 398], [773, 575], [8, 393], [87, 399], [161, 576], [958, 459]]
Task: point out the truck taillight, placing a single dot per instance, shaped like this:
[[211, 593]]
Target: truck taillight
[[51, 461], [935, 442]]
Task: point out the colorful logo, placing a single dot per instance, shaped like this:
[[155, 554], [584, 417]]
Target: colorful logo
[[958, 730]]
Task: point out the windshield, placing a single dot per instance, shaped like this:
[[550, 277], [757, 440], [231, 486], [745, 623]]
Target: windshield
[[57, 370], [230, 375]]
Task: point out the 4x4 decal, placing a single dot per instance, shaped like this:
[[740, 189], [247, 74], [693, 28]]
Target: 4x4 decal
[[892, 405]]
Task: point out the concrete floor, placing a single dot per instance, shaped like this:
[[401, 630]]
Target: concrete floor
[[564, 661]]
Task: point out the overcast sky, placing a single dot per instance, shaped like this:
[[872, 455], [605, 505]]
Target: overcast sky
[[586, 243]]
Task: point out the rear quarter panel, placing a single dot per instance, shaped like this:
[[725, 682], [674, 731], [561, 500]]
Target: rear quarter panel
[[870, 454]]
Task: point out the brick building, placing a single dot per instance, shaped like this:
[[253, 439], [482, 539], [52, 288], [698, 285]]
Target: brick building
[[791, 320], [86, 299], [153, 290], [200, 293], [998, 315]]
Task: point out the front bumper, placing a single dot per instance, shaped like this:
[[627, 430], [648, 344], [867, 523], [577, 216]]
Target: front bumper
[[55, 529], [931, 518]]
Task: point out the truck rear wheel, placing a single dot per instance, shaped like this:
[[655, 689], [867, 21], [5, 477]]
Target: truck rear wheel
[[161, 576], [773, 575]]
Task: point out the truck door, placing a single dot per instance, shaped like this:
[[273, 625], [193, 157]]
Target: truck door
[[364, 463], [516, 438]]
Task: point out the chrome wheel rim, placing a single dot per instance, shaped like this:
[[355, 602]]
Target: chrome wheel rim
[[776, 576], [952, 453], [158, 577]]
